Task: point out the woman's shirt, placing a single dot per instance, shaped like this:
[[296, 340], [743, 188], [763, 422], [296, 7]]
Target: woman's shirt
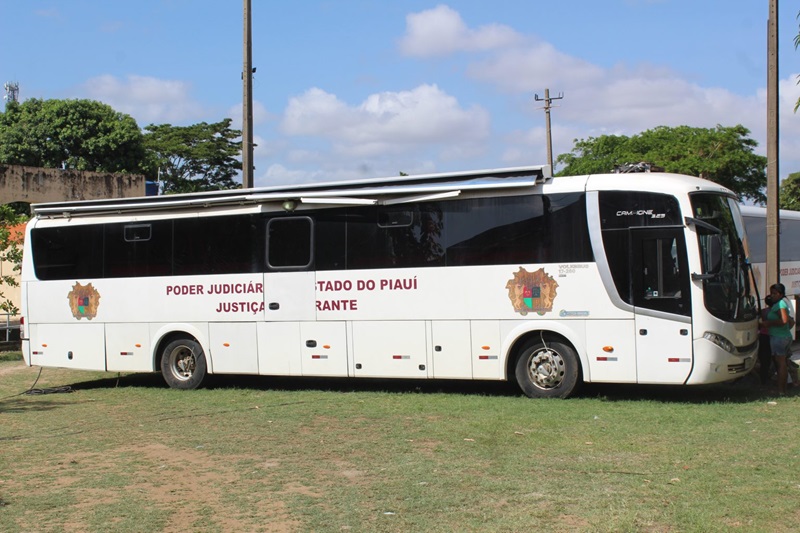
[[775, 314]]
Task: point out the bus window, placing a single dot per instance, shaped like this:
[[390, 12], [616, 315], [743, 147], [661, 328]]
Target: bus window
[[138, 249], [289, 243], [659, 270], [619, 212], [68, 252]]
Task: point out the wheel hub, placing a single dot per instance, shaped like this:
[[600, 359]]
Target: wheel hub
[[184, 364], [546, 369]]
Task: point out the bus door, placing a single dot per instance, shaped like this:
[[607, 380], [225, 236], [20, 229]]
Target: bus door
[[661, 297], [290, 340]]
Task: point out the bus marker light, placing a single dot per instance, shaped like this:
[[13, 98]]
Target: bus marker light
[[326, 346], [226, 344], [44, 346], [138, 345], [608, 349], [485, 347]]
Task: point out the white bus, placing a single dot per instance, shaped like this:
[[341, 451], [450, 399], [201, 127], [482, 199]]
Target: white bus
[[755, 221], [487, 275]]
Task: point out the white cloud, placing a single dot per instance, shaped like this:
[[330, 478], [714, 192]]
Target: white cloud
[[441, 31], [627, 99], [623, 99], [388, 122], [532, 68], [147, 99]]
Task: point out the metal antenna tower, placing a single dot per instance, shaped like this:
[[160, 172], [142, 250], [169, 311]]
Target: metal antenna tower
[[12, 91]]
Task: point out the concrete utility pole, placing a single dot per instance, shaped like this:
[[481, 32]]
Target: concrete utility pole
[[247, 102], [773, 274], [547, 104]]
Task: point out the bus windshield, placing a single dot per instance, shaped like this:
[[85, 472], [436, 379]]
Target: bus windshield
[[726, 281]]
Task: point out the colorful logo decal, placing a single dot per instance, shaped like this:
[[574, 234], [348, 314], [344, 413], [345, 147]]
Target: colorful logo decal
[[532, 291], [83, 301]]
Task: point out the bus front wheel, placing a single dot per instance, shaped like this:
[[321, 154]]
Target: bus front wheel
[[548, 370], [183, 364]]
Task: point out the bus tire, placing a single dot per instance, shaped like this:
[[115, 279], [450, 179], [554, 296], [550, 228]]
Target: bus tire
[[548, 370], [183, 364]]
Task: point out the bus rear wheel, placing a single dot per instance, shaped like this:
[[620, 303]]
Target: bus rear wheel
[[183, 364], [548, 370]]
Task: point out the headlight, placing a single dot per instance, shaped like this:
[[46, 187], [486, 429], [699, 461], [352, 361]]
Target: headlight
[[720, 341]]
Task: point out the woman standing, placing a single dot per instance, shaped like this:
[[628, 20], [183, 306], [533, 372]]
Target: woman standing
[[780, 335]]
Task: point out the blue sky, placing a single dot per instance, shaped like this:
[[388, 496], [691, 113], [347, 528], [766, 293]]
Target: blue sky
[[369, 88]]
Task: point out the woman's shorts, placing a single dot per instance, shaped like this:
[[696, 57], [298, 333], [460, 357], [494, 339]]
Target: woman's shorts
[[780, 346]]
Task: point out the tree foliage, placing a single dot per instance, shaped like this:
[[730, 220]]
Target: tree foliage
[[789, 194], [11, 252], [70, 134], [200, 157], [723, 155]]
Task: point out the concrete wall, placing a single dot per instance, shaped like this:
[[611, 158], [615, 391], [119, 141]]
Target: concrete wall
[[37, 185]]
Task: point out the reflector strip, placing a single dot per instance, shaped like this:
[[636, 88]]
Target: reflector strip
[[487, 357], [126, 353], [679, 360], [37, 353], [401, 357], [319, 356], [606, 358]]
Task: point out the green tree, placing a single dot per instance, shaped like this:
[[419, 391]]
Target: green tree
[[11, 252], [723, 155], [70, 134], [200, 157], [789, 194]]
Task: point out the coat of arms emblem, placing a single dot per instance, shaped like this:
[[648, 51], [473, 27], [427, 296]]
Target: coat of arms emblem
[[532, 291], [83, 301]]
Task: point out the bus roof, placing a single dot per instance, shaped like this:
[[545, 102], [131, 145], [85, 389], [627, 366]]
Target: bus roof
[[761, 212], [380, 191], [422, 187]]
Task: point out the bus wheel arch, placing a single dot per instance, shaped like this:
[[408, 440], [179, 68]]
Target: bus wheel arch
[[182, 361], [545, 365]]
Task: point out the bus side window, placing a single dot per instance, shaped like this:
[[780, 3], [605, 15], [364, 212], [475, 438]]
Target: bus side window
[[137, 232], [289, 243]]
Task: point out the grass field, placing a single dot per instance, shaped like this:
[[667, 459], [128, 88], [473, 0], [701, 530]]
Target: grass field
[[245, 454]]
